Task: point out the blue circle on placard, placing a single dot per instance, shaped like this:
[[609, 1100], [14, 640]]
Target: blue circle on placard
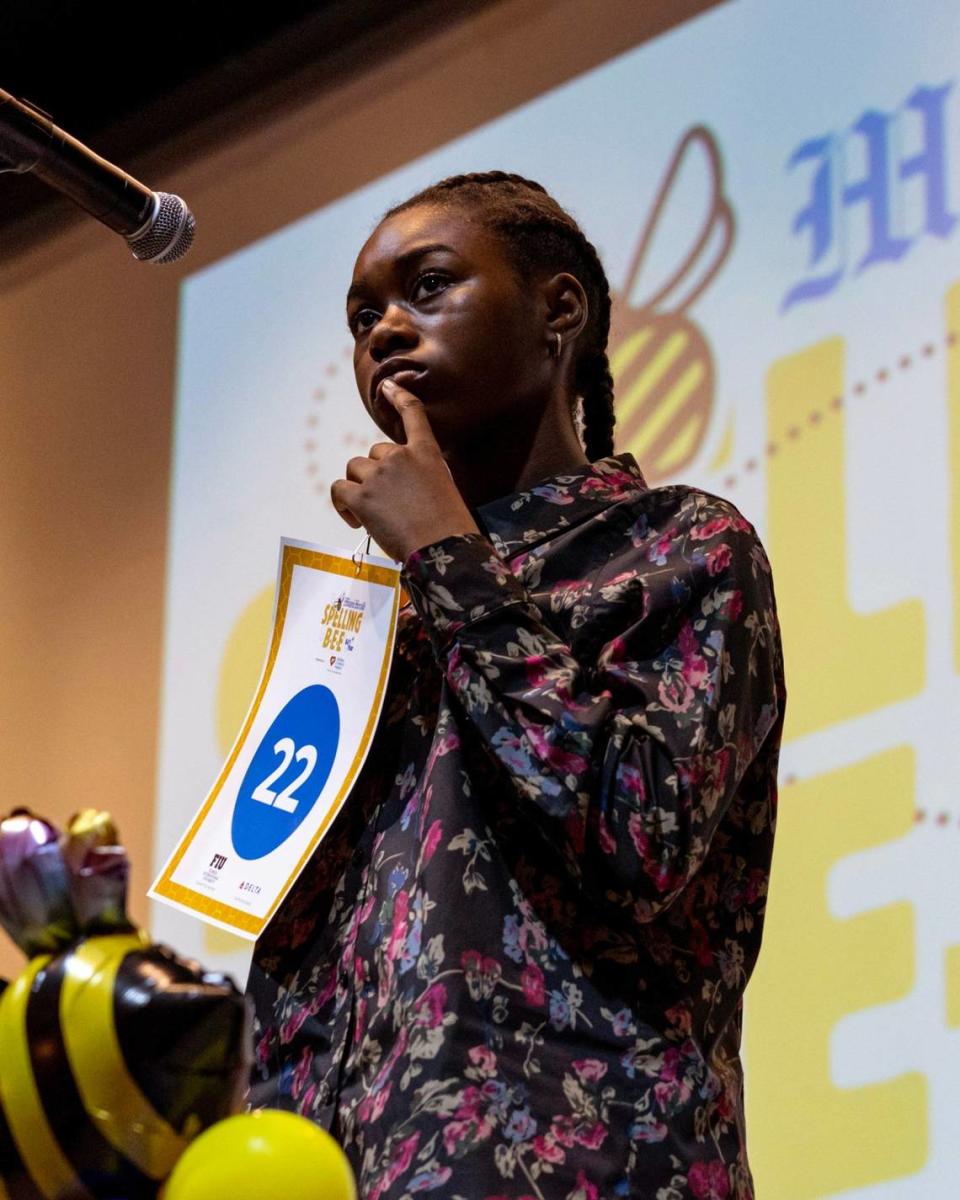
[[288, 771]]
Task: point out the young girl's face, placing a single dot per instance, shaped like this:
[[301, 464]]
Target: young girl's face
[[435, 301]]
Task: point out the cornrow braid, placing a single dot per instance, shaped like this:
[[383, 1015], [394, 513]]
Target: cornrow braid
[[540, 236]]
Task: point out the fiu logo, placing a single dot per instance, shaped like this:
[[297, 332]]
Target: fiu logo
[[862, 182], [661, 363]]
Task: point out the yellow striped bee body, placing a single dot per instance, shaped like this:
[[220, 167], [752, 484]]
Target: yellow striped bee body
[[114, 1053], [661, 363], [664, 379]]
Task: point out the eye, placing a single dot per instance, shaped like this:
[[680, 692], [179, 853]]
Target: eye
[[362, 320], [429, 283]]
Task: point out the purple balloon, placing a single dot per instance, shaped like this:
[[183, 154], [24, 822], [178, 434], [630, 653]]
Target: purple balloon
[[35, 907]]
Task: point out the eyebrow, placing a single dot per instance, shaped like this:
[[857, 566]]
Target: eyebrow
[[361, 288]]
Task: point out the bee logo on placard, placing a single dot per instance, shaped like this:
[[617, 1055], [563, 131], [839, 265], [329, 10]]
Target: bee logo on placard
[[661, 363]]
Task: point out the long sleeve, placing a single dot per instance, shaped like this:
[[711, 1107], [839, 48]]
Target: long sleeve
[[631, 757]]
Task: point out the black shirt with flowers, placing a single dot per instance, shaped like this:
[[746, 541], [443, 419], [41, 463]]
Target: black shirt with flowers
[[515, 967]]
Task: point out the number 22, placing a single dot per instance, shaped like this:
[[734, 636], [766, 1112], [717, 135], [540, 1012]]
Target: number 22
[[287, 748]]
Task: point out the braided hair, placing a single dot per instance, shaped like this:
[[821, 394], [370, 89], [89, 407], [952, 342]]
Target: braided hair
[[540, 236]]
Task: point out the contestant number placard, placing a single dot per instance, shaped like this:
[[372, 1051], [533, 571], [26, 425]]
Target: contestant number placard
[[302, 744]]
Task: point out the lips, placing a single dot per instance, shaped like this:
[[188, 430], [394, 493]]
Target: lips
[[402, 369]]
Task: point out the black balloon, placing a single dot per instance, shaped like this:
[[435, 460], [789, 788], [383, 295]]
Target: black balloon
[[115, 1052]]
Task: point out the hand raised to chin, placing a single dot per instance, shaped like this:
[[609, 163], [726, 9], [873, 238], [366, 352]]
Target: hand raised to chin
[[403, 495]]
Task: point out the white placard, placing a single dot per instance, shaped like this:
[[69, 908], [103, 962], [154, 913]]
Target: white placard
[[302, 744]]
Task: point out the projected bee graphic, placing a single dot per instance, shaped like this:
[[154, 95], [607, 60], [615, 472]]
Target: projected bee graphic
[[662, 366]]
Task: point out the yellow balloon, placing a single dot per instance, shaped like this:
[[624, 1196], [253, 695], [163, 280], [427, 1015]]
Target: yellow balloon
[[263, 1155]]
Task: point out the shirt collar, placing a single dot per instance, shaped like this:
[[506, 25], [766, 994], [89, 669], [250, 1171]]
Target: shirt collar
[[524, 519]]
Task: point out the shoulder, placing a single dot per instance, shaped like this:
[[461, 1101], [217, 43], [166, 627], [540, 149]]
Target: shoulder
[[685, 542], [682, 512]]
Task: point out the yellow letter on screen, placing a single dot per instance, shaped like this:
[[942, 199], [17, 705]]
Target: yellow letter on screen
[[239, 672], [809, 1138], [839, 663]]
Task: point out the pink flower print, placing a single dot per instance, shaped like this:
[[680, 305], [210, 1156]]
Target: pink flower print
[[613, 652], [658, 551], [612, 483], [361, 1022], [591, 1136], [404, 1156], [671, 1064], [482, 974], [397, 1052], [733, 606], [290, 1028], [664, 878], [709, 1180], [263, 1048], [398, 935], [470, 961], [555, 756], [457, 1131], [585, 1190], [531, 980], [371, 1106], [434, 834], [484, 1059], [700, 533], [537, 669], [565, 593], [631, 780], [679, 1017], [675, 694], [605, 838], [719, 559], [546, 1149], [430, 1006], [562, 1131], [470, 1100], [490, 971], [694, 664], [641, 842], [590, 1070]]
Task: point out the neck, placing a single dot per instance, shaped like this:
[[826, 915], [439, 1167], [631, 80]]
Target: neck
[[497, 462]]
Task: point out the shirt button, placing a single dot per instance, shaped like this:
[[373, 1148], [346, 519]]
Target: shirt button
[[357, 857]]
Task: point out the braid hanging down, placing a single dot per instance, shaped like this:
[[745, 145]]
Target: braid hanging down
[[542, 237]]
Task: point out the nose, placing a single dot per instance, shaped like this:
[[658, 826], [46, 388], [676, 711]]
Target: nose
[[394, 331]]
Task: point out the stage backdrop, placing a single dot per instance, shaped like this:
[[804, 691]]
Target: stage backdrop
[[773, 188]]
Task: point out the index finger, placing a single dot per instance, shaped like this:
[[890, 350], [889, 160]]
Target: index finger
[[416, 425]]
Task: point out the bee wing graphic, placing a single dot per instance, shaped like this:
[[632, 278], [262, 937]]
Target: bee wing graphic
[[709, 238]]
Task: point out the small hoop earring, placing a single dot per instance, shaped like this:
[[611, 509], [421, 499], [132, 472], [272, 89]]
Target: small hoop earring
[[559, 343]]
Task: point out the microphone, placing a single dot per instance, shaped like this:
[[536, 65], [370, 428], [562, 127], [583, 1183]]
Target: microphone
[[158, 226]]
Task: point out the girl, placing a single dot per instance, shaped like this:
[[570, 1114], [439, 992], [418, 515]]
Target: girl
[[515, 967]]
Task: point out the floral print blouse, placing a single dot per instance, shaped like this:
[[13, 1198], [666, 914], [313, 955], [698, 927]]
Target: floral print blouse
[[515, 966]]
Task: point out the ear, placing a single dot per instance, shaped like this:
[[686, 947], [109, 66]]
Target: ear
[[567, 308]]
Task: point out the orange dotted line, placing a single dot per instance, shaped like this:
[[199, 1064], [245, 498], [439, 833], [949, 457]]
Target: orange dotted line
[[942, 820], [816, 415]]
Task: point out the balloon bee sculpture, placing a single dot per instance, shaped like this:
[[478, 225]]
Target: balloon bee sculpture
[[114, 1053], [661, 363]]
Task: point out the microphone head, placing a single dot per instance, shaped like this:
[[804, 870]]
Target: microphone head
[[167, 234]]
